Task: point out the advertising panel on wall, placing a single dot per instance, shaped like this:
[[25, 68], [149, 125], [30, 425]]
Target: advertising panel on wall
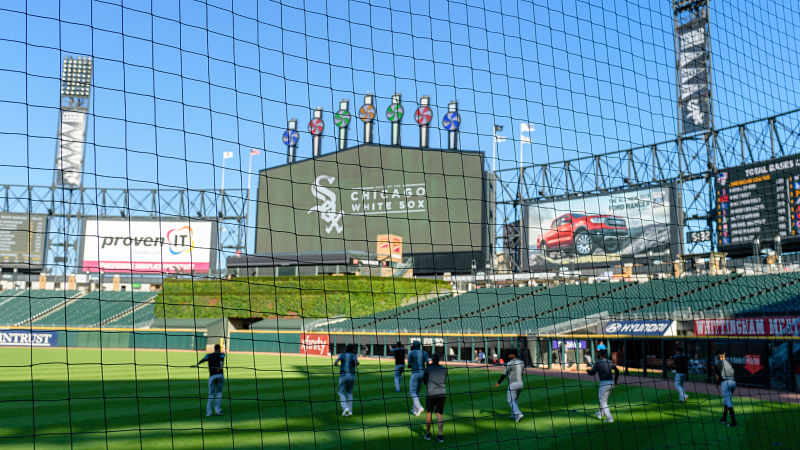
[[602, 230], [433, 201], [315, 344], [148, 246], [748, 326], [22, 240], [28, 338], [760, 200]]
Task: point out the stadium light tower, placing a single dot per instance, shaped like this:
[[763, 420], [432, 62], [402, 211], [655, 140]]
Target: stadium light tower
[[65, 229]]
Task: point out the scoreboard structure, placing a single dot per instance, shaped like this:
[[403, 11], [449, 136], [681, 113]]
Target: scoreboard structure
[[22, 241], [758, 201]]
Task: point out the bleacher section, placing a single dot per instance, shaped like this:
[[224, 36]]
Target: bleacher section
[[95, 308], [18, 307], [527, 310]]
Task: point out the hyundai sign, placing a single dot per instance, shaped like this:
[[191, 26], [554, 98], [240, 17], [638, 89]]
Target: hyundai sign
[[148, 246], [28, 338], [640, 328]]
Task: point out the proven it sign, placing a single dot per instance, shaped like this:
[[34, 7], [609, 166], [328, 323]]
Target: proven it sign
[[26, 338], [315, 344], [148, 246]]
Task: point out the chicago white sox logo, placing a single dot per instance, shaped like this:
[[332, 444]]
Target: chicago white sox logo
[[326, 209]]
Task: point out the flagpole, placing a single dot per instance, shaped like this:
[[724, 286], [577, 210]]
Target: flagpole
[[223, 177], [494, 151]]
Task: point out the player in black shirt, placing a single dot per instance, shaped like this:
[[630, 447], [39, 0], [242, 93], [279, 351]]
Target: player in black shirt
[[681, 373], [216, 379], [399, 364]]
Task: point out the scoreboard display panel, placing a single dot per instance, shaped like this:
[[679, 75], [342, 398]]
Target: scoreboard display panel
[[434, 200], [760, 200], [22, 240]]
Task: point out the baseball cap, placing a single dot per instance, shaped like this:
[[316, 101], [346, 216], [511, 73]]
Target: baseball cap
[[601, 346]]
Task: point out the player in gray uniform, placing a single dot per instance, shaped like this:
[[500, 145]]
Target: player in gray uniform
[[417, 361], [347, 378], [725, 377], [603, 368], [514, 370], [436, 380]]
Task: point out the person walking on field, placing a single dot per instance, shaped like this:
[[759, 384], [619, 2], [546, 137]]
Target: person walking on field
[[603, 367], [216, 379], [417, 361], [436, 380], [725, 377], [399, 364], [681, 373], [347, 378], [514, 370]]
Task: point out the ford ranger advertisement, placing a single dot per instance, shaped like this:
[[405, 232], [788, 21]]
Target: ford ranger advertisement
[[601, 231]]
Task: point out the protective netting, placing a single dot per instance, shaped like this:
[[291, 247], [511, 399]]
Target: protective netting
[[544, 224]]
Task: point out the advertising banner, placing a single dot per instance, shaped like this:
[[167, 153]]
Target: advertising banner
[[602, 230], [693, 74], [148, 246], [640, 328], [315, 344], [22, 240], [749, 326], [69, 161], [28, 338]]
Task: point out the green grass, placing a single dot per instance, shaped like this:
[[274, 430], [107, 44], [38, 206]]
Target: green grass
[[310, 297], [134, 400]]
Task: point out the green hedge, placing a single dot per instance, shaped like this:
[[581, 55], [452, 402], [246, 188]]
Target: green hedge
[[308, 297]]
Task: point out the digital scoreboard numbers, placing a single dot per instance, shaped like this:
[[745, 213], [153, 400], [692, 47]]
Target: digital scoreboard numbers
[[22, 240], [760, 200]]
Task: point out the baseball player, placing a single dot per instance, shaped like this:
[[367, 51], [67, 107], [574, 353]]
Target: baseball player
[[514, 370], [347, 378], [725, 377], [399, 364], [417, 361], [681, 373], [603, 368]]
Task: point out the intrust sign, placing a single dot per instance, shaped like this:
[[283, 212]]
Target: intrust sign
[[25, 338], [148, 246]]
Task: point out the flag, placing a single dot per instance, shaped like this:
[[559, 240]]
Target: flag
[[255, 152], [525, 128], [227, 155], [497, 137]]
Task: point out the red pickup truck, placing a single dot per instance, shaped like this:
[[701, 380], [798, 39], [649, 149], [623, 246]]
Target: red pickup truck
[[583, 233]]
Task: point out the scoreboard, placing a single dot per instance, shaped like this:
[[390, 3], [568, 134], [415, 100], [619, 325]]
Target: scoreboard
[[760, 200], [22, 240]]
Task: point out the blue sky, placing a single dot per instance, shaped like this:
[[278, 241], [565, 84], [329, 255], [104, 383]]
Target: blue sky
[[177, 83]]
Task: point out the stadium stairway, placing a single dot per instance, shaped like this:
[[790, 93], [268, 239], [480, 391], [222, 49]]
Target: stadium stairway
[[129, 316], [33, 304], [94, 308], [479, 313], [551, 312], [724, 297]]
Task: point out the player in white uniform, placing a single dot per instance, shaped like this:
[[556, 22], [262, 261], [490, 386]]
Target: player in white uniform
[[347, 378], [514, 370], [603, 367]]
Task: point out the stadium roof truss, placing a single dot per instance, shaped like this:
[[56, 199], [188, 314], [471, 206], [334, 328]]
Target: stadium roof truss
[[690, 162]]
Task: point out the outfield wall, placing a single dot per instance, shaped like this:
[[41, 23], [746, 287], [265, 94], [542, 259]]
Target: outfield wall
[[166, 339], [760, 361]]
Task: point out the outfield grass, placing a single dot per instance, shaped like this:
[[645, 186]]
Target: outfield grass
[[309, 297], [151, 399]]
